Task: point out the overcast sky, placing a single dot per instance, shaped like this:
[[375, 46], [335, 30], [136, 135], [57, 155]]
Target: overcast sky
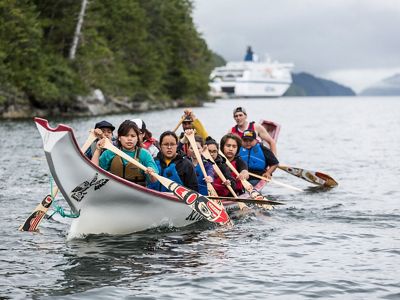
[[354, 42]]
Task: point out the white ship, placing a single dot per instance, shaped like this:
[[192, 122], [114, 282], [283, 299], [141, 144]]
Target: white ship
[[251, 78]]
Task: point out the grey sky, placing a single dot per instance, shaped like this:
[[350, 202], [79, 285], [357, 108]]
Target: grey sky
[[355, 42]]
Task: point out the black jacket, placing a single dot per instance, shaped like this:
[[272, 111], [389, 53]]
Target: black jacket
[[184, 168]]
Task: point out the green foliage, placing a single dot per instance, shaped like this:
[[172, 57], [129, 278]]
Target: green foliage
[[126, 48]]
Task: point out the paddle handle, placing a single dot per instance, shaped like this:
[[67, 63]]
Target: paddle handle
[[276, 182], [223, 178], [192, 142], [179, 124], [217, 170]]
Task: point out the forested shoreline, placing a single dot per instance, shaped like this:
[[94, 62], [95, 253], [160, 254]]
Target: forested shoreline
[[139, 54]]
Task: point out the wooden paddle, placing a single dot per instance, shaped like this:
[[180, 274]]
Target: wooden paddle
[[217, 170], [179, 124], [314, 177], [276, 182], [254, 194], [33, 221], [208, 208], [247, 200], [190, 136]]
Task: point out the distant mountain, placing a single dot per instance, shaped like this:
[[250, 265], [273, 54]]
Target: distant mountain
[[387, 87], [305, 84]]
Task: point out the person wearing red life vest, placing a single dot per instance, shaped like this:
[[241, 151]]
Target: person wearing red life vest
[[146, 138], [242, 124]]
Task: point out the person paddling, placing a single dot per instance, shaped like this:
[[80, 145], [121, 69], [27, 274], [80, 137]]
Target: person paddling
[[173, 165], [128, 142], [240, 116], [219, 186], [190, 121], [230, 145], [106, 130], [146, 138], [260, 160], [201, 179]]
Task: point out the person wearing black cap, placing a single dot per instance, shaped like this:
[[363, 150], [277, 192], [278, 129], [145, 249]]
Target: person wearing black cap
[[107, 129], [240, 116], [260, 160]]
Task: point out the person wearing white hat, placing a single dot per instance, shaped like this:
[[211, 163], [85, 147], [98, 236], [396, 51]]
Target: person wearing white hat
[[146, 138]]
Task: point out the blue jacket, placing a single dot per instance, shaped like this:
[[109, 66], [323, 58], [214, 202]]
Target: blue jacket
[[254, 157], [180, 170]]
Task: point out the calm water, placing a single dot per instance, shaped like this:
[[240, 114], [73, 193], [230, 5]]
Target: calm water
[[343, 243]]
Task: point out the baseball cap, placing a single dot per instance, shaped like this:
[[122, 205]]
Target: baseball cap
[[239, 109], [187, 119], [249, 135], [140, 124], [104, 124]]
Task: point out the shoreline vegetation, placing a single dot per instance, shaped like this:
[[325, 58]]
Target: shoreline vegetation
[[131, 56], [88, 58]]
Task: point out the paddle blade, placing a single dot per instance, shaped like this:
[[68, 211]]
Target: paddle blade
[[317, 178], [246, 200], [33, 221], [209, 209]]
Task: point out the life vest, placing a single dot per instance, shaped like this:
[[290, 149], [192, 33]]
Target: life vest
[[254, 157], [129, 171], [200, 180], [168, 172], [237, 131], [239, 185], [148, 143]]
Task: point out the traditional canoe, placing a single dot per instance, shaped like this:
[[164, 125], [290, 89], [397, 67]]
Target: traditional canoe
[[105, 203], [272, 128]]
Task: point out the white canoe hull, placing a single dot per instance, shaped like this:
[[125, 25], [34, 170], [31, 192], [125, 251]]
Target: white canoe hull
[[106, 204]]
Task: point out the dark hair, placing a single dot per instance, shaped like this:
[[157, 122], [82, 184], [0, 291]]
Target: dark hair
[[124, 129], [211, 141], [199, 139], [233, 137], [168, 133], [147, 134]]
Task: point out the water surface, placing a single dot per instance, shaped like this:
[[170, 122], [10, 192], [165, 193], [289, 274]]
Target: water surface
[[343, 243]]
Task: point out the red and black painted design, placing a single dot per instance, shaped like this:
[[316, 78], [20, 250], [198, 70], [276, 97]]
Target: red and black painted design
[[33, 221], [209, 209]]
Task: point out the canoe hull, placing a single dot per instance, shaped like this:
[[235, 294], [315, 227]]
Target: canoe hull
[[106, 204]]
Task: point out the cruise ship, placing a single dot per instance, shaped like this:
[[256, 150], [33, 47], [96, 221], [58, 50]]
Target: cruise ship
[[251, 78]]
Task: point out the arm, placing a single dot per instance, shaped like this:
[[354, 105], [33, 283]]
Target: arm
[[188, 175], [242, 168], [200, 130], [148, 161], [97, 152], [271, 162], [209, 170], [270, 170], [228, 175], [264, 135]]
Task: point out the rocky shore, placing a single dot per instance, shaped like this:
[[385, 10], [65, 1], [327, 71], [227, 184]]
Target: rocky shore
[[94, 104]]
